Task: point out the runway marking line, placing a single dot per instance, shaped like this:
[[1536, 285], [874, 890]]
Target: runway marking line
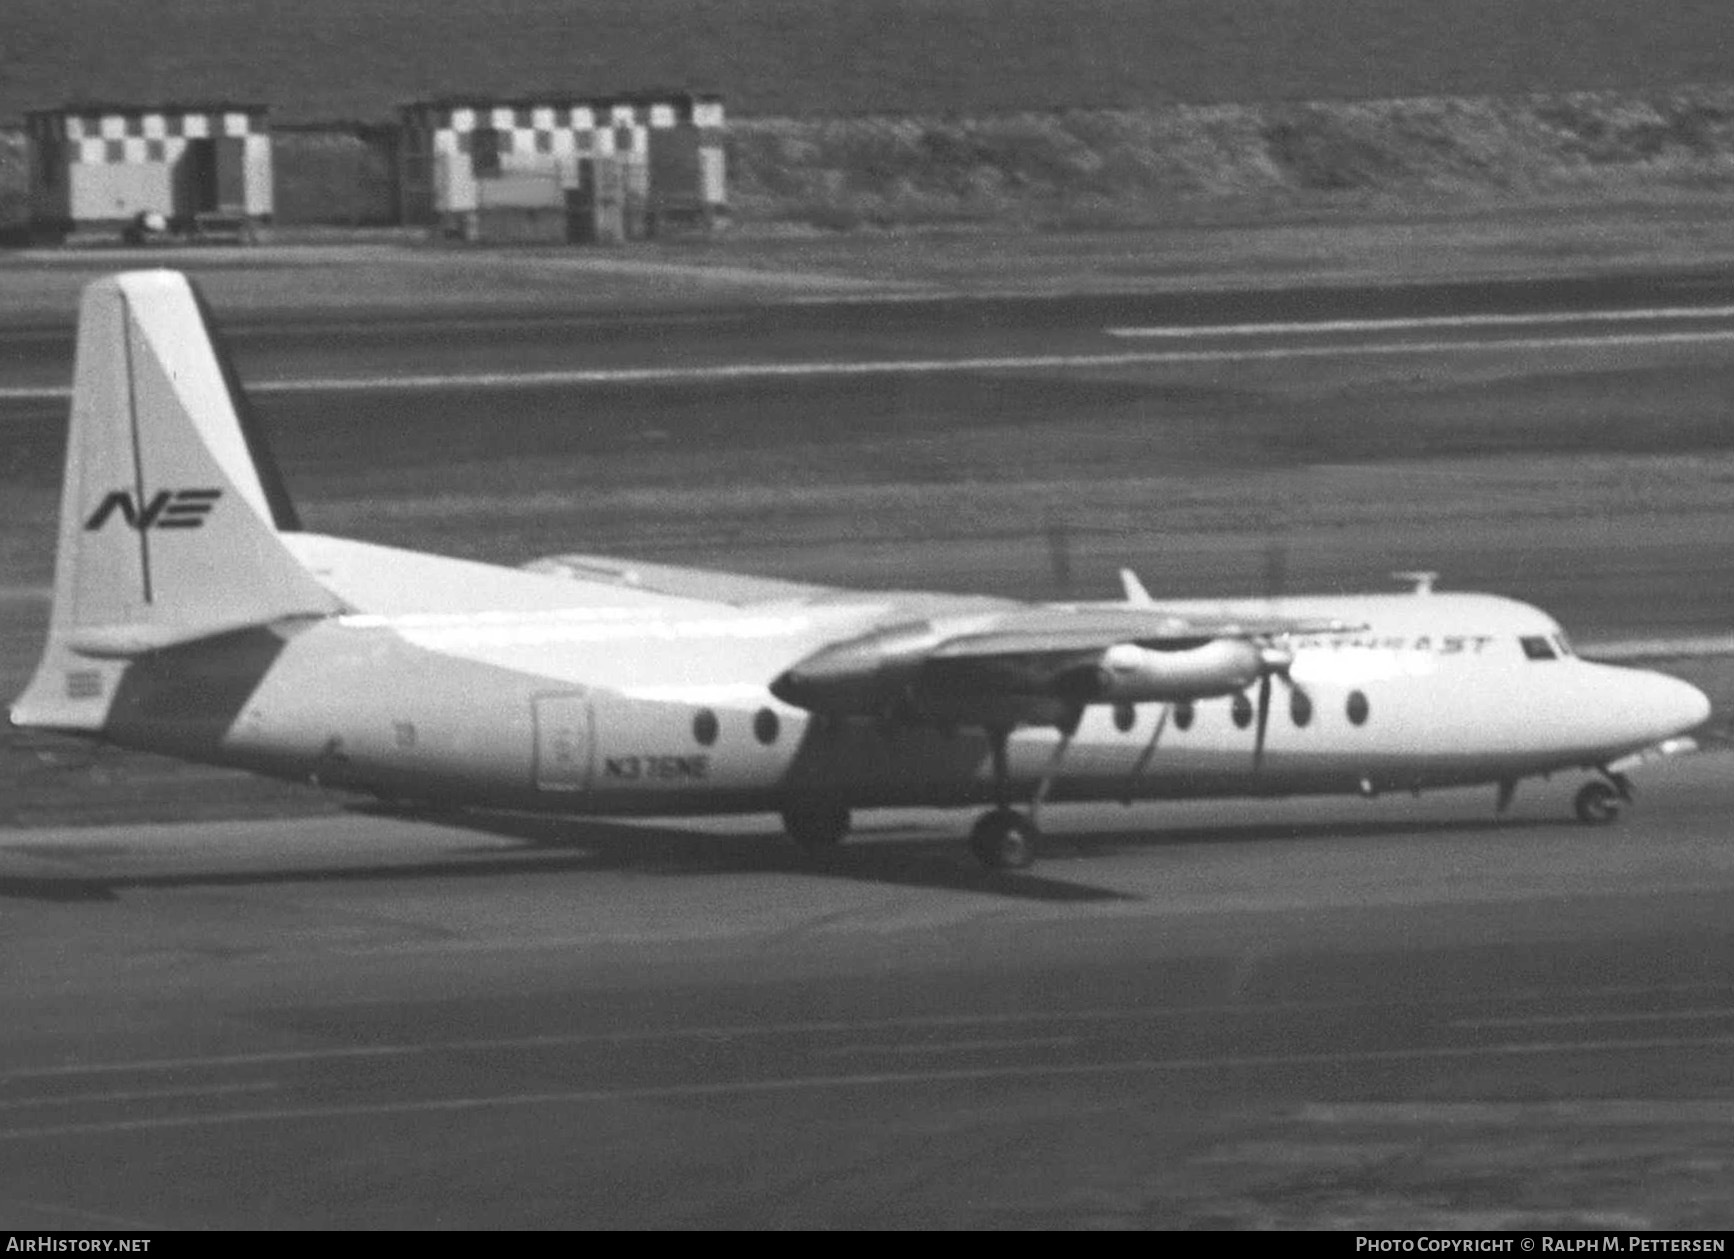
[[80, 1214], [949, 1047], [883, 1079], [1570, 1020], [1419, 323], [140, 1095], [1628, 1111], [1101, 1014], [918, 367]]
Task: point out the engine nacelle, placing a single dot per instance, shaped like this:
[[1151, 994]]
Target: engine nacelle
[[1130, 674], [858, 677]]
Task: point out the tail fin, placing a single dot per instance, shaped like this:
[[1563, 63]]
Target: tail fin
[[170, 505]]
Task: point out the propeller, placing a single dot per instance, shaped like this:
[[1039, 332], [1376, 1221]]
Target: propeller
[[1274, 661]]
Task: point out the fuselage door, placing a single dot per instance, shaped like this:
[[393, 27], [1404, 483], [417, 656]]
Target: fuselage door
[[565, 740]]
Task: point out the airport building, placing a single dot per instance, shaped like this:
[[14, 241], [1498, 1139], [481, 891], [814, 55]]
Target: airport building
[[584, 170], [204, 167]]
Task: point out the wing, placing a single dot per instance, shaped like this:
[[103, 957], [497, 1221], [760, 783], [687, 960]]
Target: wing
[[742, 591], [667, 579], [1067, 629], [1040, 665]]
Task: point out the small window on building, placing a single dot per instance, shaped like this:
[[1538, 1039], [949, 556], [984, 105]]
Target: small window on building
[[48, 161], [1242, 710], [1183, 714], [1300, 707], [704, 727], [765, 726], [1357, 708], [1125, 717], [1538, 648], [485, 151]]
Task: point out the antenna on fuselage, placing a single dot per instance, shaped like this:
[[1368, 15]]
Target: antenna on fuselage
[[1421, 580]]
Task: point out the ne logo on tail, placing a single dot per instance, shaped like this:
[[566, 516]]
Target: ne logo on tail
[[167, 509]]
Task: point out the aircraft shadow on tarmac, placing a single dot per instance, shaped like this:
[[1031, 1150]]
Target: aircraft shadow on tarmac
[[548, 846]]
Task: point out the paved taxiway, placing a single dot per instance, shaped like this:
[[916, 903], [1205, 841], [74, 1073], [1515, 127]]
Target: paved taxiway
[[1183, 1016], [912, 336]]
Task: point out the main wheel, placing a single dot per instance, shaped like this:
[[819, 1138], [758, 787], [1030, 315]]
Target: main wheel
[[1004, 840], [1597, 804], [816, 826]]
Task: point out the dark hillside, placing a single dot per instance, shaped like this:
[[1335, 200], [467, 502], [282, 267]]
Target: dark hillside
[[355, 59], [1120, 168]]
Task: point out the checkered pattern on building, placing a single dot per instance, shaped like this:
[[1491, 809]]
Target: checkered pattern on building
[[598, 129], [547, 139], [110, 138], [103, 164]]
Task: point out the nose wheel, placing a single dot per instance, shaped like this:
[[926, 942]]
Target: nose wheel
[[1004, 839]]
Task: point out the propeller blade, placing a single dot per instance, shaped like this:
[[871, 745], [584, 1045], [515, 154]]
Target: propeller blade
[[1263, 721]]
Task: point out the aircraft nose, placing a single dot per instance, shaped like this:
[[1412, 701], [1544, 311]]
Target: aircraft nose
[[1674, 706]]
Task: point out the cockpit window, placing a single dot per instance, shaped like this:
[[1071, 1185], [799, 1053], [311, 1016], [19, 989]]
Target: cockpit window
[[1563, 643], [1538, 648]]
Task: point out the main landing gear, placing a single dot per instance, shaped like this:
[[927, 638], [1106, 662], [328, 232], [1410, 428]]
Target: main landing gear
[[1599, 803], [1003, 838]]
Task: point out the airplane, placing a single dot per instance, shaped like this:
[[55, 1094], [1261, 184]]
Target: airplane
[[193, 615]]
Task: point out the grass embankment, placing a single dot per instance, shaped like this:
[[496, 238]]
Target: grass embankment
[[1101, 168]]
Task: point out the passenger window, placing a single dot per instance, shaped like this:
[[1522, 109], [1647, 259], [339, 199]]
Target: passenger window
[[1242, 710], [765, 726], [1357, 708], [1183, 715], [1300, 707], [1538, 648], [1125, 717]]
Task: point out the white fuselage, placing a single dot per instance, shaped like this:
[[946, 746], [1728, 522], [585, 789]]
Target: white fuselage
[[557, 698]]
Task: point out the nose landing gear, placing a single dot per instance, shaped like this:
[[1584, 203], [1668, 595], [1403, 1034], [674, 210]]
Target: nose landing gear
[[1004, 839]]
